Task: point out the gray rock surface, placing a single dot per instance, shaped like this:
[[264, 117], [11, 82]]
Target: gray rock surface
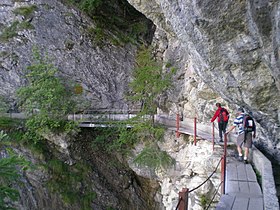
[[223, 50], [63, 33], [232, 47]]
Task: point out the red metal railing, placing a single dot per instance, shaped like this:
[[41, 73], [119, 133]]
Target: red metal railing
[[223, 166], [183, 199], [183, 195], [213, 135], [194, 130]]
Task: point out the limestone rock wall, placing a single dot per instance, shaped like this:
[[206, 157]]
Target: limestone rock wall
[[223, 48], [64, 34], [193, 166]]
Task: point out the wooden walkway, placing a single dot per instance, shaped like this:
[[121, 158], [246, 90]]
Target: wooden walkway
[[242, 191]]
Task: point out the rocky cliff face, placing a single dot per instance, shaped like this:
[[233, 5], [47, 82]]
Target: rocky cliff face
[[72, 44], [81, 177], [223, 50], [233, 47]]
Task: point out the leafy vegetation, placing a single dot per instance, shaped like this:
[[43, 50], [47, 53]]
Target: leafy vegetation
[[154, 158], [9, 32], [10, 168], [3, 105], [46, 95], [12, 30], [7, 123], [65, 180], [115, 21], [204, 200], [25, 11], [148, 83]]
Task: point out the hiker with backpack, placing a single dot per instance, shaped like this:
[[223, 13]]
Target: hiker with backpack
[[246, 131], [223, 116]]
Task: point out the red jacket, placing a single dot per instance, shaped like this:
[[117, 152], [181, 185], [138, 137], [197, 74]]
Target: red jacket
[[217, 114]]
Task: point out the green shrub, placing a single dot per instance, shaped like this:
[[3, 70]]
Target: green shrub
[[90, 6], [25, 11], [49, 95], [113, 25], [204, 200], [152, 157], [9, 32], [10, 168], [65, 180], [148, 83], [96, 35], [25, 25], [12, 30], [7, 122]]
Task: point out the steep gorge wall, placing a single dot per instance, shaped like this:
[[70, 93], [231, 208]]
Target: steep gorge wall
[[81, 176], [71, 42], [224, 48]]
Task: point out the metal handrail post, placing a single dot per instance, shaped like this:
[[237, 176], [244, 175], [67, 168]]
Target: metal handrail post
[[223, 166], [177, 125], [183, 195], [223, 175], [195, 131], [225, 145], [213, 135]]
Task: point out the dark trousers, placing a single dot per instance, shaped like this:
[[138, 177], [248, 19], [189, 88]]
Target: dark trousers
[[222, 129]]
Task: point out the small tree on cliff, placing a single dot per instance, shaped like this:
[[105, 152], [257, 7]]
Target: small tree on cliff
[[48, 96], [149, 82]]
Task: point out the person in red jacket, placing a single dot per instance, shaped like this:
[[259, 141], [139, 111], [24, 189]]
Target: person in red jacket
[[223, 116]]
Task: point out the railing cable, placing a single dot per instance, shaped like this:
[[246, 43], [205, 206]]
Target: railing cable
[[207, 178], [214, 196], [179, 203]]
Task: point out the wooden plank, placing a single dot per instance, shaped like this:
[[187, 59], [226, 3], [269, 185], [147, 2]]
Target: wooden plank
[[243, 187], [240, 203], [241, 172], [251, 176], [231, 172], [225, 203], [254, 188], [232, 187], [256, 204]]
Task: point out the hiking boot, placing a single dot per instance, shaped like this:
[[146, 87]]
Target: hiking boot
[[240, 158], [246, 161]]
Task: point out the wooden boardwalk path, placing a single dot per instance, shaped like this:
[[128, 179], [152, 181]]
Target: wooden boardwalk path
[[242, 191]]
